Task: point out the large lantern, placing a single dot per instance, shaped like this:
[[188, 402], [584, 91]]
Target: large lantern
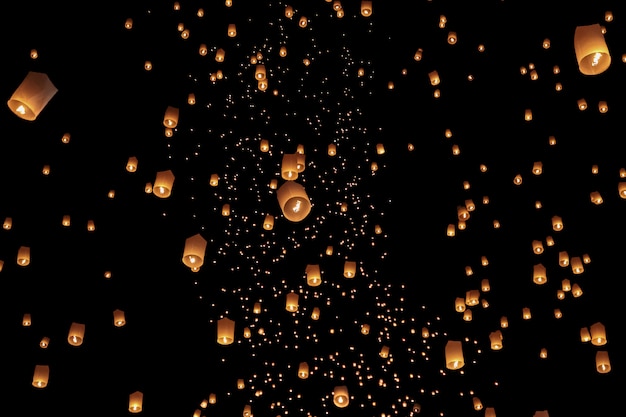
[[193, 254], [163, 184], [31, 96], [603, 364], [454, 354], [340, 396], [592, 53], [293, 201], [40, 376], [135, 402]]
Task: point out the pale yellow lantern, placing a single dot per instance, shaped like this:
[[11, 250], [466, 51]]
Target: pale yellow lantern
[[592, 52], [332, 151], [264, 145], [214, 180], [467, 315], [585, 336], [194, 251], [163, 184], [259, 72], [557, 223], [44, 342], [313, 275], [537, 247], [76, 334], [32, 95], [603, 364], [66, 220], [135, 402], [384, 352], [341, 398], [563, 258], [41, 376], [526, 315], [291, 303], [459, 304], [23, 256], [119, 318], [454, 354], [226, 210], [504, 322], [303, 370], [315, 314], [170, 119], [349, 269], [433, 76], [293, 201], [225, 331]]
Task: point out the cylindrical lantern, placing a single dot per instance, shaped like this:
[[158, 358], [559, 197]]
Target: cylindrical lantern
[[135, 402], [384, 352], [119, 319], [32, 95], [225, 331], [490, 412], [478, 405], [293, 201], [313, 275], [349, 269], [472, 297], [603, 364], [315, 314], [585, 336], [504, 322], [289, 167], [170, 119], [193, 253], [44, 342], [592, 52], [433, 76], [454, 354], [496, 340], [303, 370], [539, 274], [459, 304], [563, 258], [365, 329], [598, 334], [23, 256], [259, 72], [268, 223], [131, 164], [577, 265], [366, 8], [340, 396], [526, 315], [291, 303], [76, 334], [40, 376], [26, 320], [557, 223], [247, 410], [537, 247], [163, 184]]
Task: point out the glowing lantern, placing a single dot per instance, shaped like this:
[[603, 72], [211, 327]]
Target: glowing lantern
[[26, 320], [91, 226], [293, 201], [496, 340], [418, 54], [119, 319], [539, 274], [135, 402], [598, 334], [577, 265], [452, 38], [303, 370], [303, 22], [349, 269], [212, 398], [315, 314], [76, 334], [384, 352], [44, 342], [459, 304], [592, 52], [313, 275], [537, 247], [264, 146], [226, 210], [170, 119], [543, 353], [257, 308], [504, 322], [557, 223], [603, 364], [163, 184], [467, 315], [219, 55], [225, 331], [365, 329], [232, 30], [66, 220], [31, 96], [8, 223], [478, 405], [563, 258], [454, 354], [582, 104], [268, 223], [490, 412], [341, 398], [214, 180], [289, 167], [40, 376], [23, 256], [585, 336], [472, 297], [433, 76], [241, 384], [193, 252], [366, 8], [291, 304]]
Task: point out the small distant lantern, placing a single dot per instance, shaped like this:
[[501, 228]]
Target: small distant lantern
[[135, 402], [341, 398], [44, 342], [582, 104], [282, 51], [537, 168], [259, 72], [592, 52], [66, 221], [8, 223], [558, 313], [40, 376], [91, 225], [585, 336], [452, 38], [526, 315], [163, 184], [23, 256], [212, 398], [365, 329], [303, 22], [384, 352], [537, 247], [459, 304], [194, 251], [203, 49], [349, 269], [147, 65], [484, 285], [119, 318], [454, 354], [425, 333], [293, 201], [226, 210], [219, 55], [303, 370], [563, 258], [46, 170], [170, 119], [433, 76], [478, 405], [467, 315], [264, 145], [191, 99], [543, 353], [313, 275], [603, 364], [31, 96], [76, 334], [504, 322], [257, 308], [418, 54], [225, 331], [291, 304], [241, 383], [128, 24], [214, 180], [577, 265]]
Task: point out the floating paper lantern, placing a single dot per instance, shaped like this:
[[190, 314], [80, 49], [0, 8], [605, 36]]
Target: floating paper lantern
[[40, 376], [315, 314], [577, 265], [32, 95], [384, 352], [23, 256], [225, 331], [76, 334], [8, 223], [303, 370], [349, 269], [495, 338], [592, 52], [454, 354], [163, 184], [341, 398], [293, 201], [26, 320], [119, 319], [539, 274], [603, 364], [291, 303], [478, 405], [268, 222], [44, 342], [365, 329], [366, 8], [232, 30], [170, 119], [598, 334], [135, 402], [313, 275], [289, 167], [194, 251]]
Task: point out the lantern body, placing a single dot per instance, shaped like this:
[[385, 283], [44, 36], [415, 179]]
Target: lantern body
[[119, 319], [454, 355], [592, 52], [349, 269], [303, 370], [40, 376], [76, 334], [23, 256], [292, 302], [598, 334], [225, 331], [268, 223], [293, 201], [135, 402], [289, 167], [313, 275], [170, 119], [163, 184], [340, 396], [603, 364], [539, 274], [32, 95], [193, 253]]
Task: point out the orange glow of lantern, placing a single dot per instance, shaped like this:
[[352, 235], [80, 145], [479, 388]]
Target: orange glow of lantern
[[119, 318], [313, 275], [225, 331], [170, 119], [32, 96], [592, 52], [163, 184], [303, 370], [341, 398], [194, 251], [291, 303], [598, 334], [603, 364], [293, 201], [40, 376], [454, 354], [76, 334], [23, 256], [135, 402]]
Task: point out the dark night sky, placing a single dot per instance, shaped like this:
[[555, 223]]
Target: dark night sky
[[408, 276]]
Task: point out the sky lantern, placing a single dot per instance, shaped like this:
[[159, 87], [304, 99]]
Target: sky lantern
[[135, 402], [341, 398], [454, 354], [592, 52], [163, 184], [32, 96], [225, 331], [194, 251], [293, 201], [40, 376]]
